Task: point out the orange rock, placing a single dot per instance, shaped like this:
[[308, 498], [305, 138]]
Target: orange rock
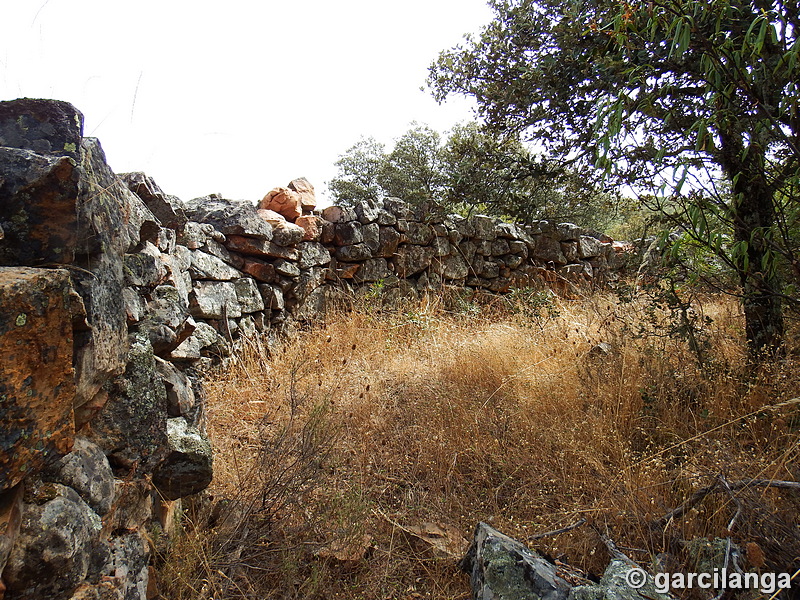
[[283, 201], [312, 225], [308, 199], [36, 373]]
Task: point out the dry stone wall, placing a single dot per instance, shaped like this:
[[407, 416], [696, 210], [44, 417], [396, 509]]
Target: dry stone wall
[[115, 297]]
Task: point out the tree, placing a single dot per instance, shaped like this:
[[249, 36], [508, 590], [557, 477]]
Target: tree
[[360, 169], [471, 170], [677, 92], [413, 170]]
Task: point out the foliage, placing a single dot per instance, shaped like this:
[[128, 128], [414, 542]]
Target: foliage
[[471, 170], [677, 94]]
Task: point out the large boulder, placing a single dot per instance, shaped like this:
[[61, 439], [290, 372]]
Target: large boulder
[[36, 377], [131, 427]]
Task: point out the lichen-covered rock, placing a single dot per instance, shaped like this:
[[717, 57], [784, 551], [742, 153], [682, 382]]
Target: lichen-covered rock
[[36, 377], [313, 254], [38, 208], [231, 217], [209, 299], [483, 227], [247, 295], [188, 467], [354, 253], [43, 126], [409, 259], [388, 240], [373, 269], [287, 234], [207, 266], [502, 568], [180, 394], [57, 548], [128, 565], [418, 233], [451, 267], [256, 247], [85, 470], [168, 209], [131, 427]]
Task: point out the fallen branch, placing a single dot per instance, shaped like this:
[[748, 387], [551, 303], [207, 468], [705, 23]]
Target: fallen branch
[[539, 536], [722, 485]]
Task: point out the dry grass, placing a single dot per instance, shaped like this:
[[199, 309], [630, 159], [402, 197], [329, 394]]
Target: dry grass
[[330, 453]]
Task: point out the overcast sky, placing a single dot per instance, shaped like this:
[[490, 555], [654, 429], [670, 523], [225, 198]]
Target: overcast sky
[[235, 97]]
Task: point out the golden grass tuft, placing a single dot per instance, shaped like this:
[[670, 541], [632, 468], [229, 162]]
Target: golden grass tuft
[[332, 451]]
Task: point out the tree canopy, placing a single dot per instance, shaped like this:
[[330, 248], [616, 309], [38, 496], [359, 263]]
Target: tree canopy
[[469, 169], [698, 99]]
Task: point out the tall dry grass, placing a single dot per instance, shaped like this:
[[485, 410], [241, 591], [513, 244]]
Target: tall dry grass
[[355, 462]]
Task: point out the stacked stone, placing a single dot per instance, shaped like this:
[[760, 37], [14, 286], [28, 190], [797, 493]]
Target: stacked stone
[[102, 430], [113, 297], [420, 249]]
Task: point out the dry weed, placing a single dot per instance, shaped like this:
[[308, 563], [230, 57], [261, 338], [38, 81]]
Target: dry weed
[[333, 452]]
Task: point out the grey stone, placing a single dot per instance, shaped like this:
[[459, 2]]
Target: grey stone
[[206, 266], [348, 233], [129, 564], [372, 237], [373, 269], [570, 251], [144, 268], [313, 254], [398, 208], [500, 246], [131, 426], [338, 214], [508, 231], [221, 252], [286, 268], [256, 247], [410, 259], [501, 568], [168, 209], [180, 394], [484, 227], [451, 267], [287, 234], [589, 247], [207, 299], [58, 546], [248, 296], [355, 253], [188, 467], [549, 250], [367, 212], [85, 470], [388, 240], [231, 217], [568, 232], [194, 235], [272, 295], [418, 233], [43, 126]]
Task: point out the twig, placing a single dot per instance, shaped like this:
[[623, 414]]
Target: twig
[[615, 552], [729, 487], [539, 536], [738, 504]]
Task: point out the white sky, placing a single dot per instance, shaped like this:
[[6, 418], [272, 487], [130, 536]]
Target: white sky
[[235, 97]]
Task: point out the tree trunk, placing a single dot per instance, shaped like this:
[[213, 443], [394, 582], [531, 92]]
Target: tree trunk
[[754, 215]]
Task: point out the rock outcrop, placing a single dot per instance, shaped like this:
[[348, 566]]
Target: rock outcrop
[[114, 296]]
